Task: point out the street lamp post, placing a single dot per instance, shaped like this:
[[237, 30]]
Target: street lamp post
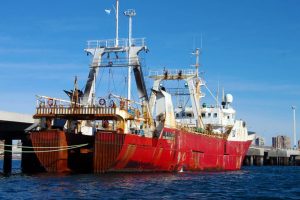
[[294, 124]]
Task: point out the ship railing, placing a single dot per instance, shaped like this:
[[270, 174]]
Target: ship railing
[[45, 101], [112, 43], [179, 91], [140, 42], [196, 130], [173, 72], [120, 62], [88, 110]]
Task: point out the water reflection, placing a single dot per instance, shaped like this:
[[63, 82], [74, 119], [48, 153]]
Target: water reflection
[[250, 182]]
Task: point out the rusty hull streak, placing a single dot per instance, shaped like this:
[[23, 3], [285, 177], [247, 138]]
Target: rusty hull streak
[[107, 148], [51, 161]]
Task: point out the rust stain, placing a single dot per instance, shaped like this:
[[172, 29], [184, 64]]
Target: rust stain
[[108, 146], [196, 160], [157, 157], [127, 156], [51, 161]]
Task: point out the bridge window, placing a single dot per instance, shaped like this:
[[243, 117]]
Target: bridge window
[[215, 115], [209, 114], [203, 115]]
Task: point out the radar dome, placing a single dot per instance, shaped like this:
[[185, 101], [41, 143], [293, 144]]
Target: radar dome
[[228, 98]]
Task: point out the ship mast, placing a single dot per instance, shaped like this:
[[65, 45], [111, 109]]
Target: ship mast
[[117, 23], [130, 13], [198, 84], [196, 53]]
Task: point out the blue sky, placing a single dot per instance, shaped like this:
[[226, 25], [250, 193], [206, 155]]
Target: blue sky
[[251, 47]]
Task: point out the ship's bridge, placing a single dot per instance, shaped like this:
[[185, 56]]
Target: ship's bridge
[[218, 116], [213, 115]]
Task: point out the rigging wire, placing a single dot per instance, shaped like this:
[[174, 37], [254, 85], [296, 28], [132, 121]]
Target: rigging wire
[[213, 96], [122, 74], [177, 99], [125, 83], [186, 102], [101, 76], [112, 76], [109, 78]]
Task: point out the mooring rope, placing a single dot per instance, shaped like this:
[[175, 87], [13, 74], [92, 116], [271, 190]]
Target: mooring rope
[[47, 151], [30, 147]]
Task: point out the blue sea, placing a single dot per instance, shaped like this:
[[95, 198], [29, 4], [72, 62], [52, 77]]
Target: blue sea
[[249, 183]]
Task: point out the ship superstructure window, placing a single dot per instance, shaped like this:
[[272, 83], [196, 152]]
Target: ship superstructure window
[[209, 114], [203, 115], [215, 115], [228, 117], [189, 114]]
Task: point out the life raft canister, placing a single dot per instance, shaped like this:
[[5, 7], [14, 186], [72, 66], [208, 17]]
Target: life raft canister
[[102, 102]]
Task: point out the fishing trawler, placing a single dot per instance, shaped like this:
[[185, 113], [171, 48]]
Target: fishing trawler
[[114, 133]]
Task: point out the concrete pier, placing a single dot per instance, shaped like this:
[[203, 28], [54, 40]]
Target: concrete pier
[[12, 127], [260, 156], [7, 160]]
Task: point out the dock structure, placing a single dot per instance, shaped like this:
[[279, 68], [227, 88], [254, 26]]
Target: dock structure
[[12, 127], [265, 155]]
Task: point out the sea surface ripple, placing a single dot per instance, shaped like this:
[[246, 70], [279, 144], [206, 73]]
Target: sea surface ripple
[[249, 183]]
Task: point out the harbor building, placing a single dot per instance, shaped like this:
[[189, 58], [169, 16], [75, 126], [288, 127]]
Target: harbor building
[[258, 141], [281, 142]]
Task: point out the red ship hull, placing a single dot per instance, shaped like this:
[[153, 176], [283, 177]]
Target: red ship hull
[[174, 151], [186, 151]]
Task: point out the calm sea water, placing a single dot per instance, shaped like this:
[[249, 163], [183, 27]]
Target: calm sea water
[[248, 183]]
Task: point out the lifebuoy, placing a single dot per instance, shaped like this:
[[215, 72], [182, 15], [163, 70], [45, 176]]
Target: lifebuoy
[[102, 102], [50, 102]]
